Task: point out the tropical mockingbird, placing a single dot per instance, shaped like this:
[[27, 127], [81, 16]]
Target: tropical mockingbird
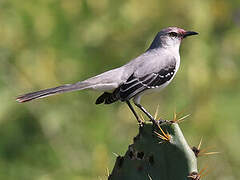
[[151, 71]]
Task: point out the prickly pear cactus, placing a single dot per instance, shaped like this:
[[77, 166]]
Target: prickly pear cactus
[[159, 152]]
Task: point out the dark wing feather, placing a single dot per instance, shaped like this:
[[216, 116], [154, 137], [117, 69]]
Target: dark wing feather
[[108, 98], [135, 85]]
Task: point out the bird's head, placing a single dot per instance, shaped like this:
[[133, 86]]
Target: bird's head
[[170, 37]]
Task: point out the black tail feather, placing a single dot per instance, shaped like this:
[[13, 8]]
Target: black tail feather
[[108, 98], [51, 91]]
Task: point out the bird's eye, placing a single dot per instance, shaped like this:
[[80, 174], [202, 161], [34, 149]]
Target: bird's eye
[[173, 34]]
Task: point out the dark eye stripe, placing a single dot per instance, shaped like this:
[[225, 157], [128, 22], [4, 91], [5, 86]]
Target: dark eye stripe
[[173, 34]]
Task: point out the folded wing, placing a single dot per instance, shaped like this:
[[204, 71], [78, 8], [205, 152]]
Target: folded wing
[[135, 85]]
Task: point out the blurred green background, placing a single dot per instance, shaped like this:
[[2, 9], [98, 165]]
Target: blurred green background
[[45, 43]]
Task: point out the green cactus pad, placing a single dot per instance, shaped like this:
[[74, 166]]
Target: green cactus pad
[[153, 158]]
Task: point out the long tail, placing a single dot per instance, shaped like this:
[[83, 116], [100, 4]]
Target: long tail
[[108, 80], [52, 91]]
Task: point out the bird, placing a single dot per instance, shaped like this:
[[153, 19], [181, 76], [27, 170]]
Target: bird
[[149, 72]]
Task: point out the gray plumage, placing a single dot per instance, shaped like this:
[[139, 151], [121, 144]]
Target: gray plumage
[[151, 71]]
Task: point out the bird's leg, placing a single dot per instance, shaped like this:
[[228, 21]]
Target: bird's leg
[[147, 113], [134, 112]]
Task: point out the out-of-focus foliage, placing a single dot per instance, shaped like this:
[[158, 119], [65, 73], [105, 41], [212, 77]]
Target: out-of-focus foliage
[[44, 43]]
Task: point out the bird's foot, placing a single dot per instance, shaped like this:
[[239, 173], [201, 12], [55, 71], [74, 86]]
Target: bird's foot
[[154, 121], [140, 123], [161, 121]]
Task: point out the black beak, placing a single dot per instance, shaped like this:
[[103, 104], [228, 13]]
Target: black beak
[[189, 33]]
